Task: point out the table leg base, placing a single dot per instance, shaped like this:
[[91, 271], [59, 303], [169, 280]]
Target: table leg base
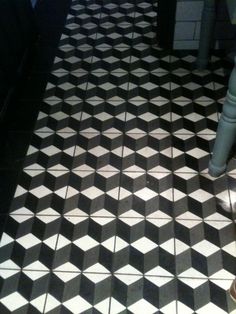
[[201, 64], [216, 171]]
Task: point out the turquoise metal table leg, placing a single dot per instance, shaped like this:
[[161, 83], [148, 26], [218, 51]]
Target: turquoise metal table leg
[[206, 34], [226, 131]]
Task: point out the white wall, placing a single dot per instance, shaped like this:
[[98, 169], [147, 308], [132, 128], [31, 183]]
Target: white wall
[[187, 28]]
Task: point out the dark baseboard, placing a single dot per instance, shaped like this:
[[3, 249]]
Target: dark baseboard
[[166, 22]]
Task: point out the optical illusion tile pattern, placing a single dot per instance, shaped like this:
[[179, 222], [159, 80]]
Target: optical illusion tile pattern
[[115, 211]]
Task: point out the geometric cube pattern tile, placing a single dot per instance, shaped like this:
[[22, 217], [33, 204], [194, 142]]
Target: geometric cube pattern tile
[[114, 211]]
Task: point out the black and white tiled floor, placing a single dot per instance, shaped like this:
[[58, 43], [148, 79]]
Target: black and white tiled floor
[[115, 211]]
